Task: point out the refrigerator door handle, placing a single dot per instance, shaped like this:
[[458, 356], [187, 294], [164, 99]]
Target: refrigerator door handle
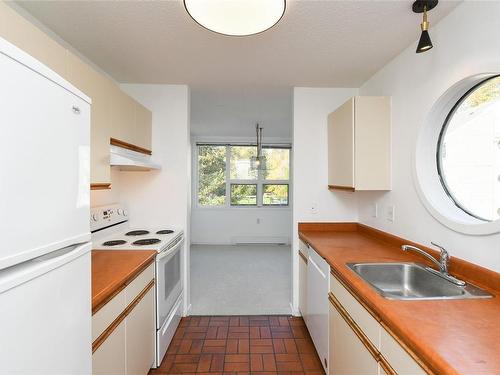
[[20, 273], [57, 253]]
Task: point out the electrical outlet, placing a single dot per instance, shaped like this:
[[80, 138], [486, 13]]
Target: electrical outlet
[[391, 213], [375, 210], [314, 208]]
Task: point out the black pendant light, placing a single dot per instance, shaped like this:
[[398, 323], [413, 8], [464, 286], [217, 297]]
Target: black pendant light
[[423, 6]]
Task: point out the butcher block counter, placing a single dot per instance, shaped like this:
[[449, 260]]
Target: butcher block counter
[[112, 270], [444, 336]]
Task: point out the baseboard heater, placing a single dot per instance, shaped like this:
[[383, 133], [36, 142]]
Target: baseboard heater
[[260, 240]]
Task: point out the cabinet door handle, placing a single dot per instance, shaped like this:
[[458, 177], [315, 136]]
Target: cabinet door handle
[[76, 110]]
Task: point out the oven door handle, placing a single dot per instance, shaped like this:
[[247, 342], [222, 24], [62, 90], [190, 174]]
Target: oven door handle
[[167, 253]]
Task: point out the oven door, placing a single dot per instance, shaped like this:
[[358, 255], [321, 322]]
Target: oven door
[[168, 281]]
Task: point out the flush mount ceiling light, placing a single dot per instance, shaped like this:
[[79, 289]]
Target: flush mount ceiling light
[[236, 17], [422, 6]]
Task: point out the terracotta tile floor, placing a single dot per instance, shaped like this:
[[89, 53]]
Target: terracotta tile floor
[[241, 345]]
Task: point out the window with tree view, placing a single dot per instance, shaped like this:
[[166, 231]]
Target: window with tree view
[[211, 175], [226, 177], [469, 152]]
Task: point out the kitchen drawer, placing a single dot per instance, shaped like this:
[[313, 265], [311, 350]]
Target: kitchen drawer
[[103, 318], [398, 358], [139, 283], [368, 324]]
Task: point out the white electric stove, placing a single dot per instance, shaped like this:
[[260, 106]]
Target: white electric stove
[[111, 231]]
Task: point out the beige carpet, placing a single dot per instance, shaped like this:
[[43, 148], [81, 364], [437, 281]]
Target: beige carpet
[[240, 279]]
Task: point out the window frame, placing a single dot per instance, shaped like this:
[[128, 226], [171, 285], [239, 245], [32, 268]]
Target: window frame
[[425, 173], [276, 205], [259, 181], [442, 133], [248, 184]]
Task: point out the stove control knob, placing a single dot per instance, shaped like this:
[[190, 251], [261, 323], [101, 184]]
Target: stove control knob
[[121, 212], [95, 217], [124, 213]]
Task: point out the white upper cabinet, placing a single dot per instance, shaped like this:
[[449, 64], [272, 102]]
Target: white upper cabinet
[[25, 35], [359, 144], [114, 114], [99, 89], [130, 122]]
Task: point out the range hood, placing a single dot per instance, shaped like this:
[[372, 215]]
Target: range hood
[[128, 160]]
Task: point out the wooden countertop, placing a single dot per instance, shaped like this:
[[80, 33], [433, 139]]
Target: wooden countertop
[[448, 336], [112, 270]]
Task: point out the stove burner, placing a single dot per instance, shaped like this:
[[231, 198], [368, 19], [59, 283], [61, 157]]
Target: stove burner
[[114, 243], [165, 231], [137, 233], [146, 241]]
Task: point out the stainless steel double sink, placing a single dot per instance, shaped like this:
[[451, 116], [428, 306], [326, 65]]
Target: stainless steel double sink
[[413, 281]]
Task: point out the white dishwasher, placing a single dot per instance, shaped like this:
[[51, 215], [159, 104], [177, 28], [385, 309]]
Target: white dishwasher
[[317, 303]]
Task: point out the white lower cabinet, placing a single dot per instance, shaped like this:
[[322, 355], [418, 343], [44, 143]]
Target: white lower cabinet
[[140, 336], [399, 359], [358, 343], [347, 336], [317, 303], [109, 358], [124, 330], [348, 355]]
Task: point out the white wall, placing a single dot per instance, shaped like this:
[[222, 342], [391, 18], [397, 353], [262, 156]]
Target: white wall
[[157, 198], [311, 107], [230, 225], [465, 43]]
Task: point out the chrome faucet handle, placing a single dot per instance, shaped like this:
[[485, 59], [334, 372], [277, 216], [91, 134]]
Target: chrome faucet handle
[[444, 258]]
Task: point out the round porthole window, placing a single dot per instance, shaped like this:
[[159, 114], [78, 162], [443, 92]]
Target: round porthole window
[[468, 156], [457, 158]]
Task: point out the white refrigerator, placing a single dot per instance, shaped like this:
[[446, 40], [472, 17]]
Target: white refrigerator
[[45, 285]]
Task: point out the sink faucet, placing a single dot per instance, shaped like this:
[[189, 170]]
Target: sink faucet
[[442, 264]]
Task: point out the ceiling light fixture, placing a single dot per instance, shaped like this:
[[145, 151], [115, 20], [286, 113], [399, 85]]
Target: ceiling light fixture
[[236, 17], [423, 6]]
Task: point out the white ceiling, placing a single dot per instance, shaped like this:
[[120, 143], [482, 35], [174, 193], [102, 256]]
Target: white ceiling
[[233, 111], [317, 43]]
